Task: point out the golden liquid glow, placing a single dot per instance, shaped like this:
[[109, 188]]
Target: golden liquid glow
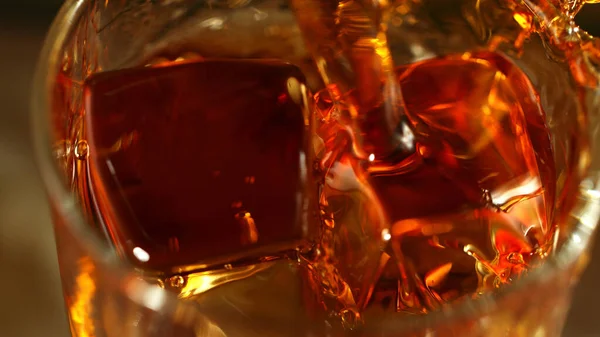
[[80, 305], [524, 20], [199, 283]]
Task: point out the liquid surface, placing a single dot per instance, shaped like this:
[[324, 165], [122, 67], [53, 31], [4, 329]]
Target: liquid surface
[[180, 154]]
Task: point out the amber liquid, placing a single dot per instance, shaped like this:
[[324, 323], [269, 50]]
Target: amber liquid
[[207, 169]]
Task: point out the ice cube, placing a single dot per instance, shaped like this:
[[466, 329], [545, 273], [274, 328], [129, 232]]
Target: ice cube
[[200, 163], [475, 181], [479, 121]]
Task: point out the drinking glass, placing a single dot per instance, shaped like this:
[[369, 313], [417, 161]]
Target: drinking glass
[[105, 295]]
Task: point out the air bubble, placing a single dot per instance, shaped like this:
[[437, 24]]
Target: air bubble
[[350, 318], [515, 258], [176, 281], [260, 15], [81, 150], [215, 23]]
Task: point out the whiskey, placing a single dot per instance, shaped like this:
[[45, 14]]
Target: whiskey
[[231, 173]]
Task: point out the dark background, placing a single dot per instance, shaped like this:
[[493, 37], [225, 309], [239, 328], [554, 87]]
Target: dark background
[[30, 294]]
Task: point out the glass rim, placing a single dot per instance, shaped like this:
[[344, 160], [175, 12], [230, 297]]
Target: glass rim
[[65, 204]]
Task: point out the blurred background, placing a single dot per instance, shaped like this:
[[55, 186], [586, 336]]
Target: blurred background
[[30, 293]]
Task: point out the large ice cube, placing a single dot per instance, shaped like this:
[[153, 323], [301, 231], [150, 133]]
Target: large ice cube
[[480, 123], [202, 162], [481, 181]]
